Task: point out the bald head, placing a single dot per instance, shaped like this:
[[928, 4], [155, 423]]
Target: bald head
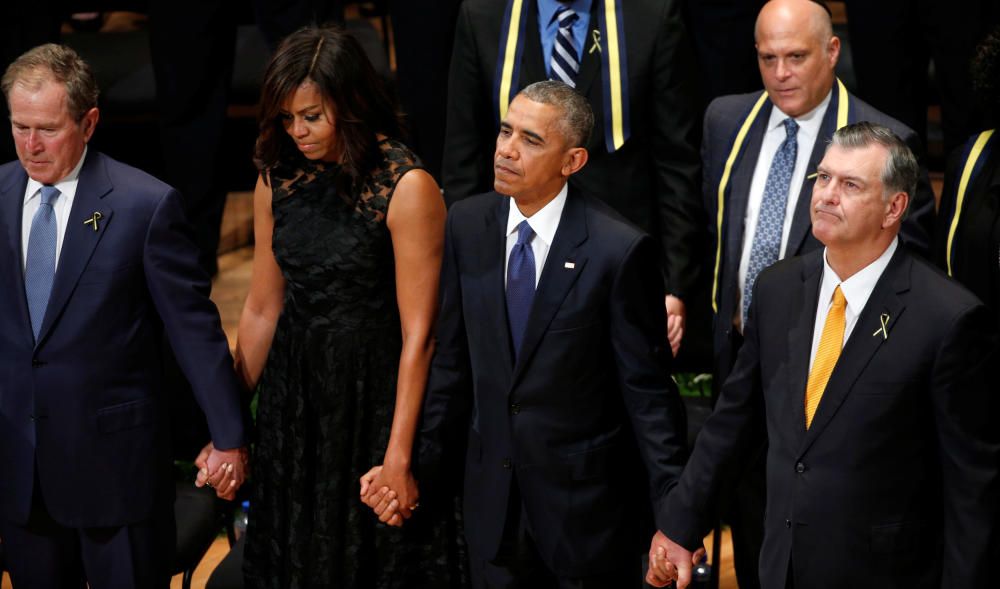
[[796, 53], [795, 15]]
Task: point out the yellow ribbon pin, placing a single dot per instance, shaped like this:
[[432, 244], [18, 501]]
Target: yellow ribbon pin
[[884, 330], [596, 36], [94, 219]]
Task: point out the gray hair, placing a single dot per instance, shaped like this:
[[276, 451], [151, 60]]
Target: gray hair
[[577, 120], [901, 171], [58, 63]]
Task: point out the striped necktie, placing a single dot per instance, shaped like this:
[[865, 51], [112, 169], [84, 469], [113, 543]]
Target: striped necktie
[[40, 263], [830, 344], [565, 64]]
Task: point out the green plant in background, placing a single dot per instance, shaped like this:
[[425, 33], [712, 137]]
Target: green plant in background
[[691, 384]]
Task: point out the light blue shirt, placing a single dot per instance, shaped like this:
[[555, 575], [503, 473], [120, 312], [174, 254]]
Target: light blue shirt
[[548, 27]]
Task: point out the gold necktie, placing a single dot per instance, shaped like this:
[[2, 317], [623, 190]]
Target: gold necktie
[[830, 344]]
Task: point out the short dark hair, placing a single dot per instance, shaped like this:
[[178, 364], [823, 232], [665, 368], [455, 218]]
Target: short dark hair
[[577, 120], [986, 74], [58, 63], [336, 63], [901, 171]]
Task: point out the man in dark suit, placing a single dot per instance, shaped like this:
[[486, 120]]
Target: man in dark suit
[[874, 374], [97, 263], [638, 79], [759, 155], [561, 388]]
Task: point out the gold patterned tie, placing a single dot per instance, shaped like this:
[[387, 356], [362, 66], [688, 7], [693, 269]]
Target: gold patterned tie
[[830, 344]]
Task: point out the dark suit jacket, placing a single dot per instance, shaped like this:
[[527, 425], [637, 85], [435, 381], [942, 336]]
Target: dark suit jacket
[[588, 409], [652, 180], [82, 409], [896, 482], [723, 119]]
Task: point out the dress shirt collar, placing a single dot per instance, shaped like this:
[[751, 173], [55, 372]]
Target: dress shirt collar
[[547, 9], [545, 222], [858, 288], [809, 122], [66, 186]]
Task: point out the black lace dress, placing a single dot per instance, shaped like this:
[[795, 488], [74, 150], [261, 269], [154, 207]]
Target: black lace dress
[[327, 396]]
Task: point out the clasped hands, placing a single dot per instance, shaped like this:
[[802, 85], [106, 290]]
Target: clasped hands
[[223, 470], [391, 491], [669, 561]]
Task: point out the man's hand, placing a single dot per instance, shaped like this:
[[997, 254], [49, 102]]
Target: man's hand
[[669, 561], [223, 470], [676, 315]]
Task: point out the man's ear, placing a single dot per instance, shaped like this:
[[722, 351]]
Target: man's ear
[[89, 123], [896, 209], [576, 158]]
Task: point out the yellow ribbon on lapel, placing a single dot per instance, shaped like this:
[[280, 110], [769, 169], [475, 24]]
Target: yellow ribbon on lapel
[[511, 44], [963, 185]]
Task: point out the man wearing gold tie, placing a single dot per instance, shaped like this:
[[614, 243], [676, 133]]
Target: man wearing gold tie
[[873, 373]]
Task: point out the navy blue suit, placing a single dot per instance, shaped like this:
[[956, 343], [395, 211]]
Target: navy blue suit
[[82, 410], [586, 425]]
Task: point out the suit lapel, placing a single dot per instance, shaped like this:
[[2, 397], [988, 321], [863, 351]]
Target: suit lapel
[[739, 186], [556, 279], [886, 300], [492, 254], [590, 62], [800, 338], [11, 207], [533, 59], [801, 221], [80, 239]]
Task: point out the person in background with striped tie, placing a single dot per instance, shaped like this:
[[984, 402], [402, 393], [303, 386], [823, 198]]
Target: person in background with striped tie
[[874, 374]]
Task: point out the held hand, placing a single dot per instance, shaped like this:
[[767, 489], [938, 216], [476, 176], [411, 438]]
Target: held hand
[[391, 491], [676, 316], [670, 561], [382, 500], [223, 470]]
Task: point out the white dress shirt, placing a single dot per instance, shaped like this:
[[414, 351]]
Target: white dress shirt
[[544, 223], [62, 207], [857, 290], [809, 125]]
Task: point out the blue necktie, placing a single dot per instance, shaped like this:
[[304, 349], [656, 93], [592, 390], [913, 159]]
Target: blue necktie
[[564, 63], [520, 284], [767, 238], [40, 266]]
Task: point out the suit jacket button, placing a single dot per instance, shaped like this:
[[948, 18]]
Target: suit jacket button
[[788, 523], [515, 408], [35, 363], [800, 468], [506, 463]]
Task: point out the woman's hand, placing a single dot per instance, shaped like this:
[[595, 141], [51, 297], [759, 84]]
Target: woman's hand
[[391, 491]]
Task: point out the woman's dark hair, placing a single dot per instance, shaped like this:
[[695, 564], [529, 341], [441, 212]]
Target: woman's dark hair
[[337, 64], [986, 74]]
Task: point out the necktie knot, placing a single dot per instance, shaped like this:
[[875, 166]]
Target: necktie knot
[[49, 195], [524, 233], [566, 17], [791, 127], [839, 302]]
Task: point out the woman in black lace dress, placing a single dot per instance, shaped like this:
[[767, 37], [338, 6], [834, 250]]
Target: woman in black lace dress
[[336, 331]]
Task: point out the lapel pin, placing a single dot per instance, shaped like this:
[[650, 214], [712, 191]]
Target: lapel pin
[[94, 219], [569, 265], [884, 330], [596, 36]]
